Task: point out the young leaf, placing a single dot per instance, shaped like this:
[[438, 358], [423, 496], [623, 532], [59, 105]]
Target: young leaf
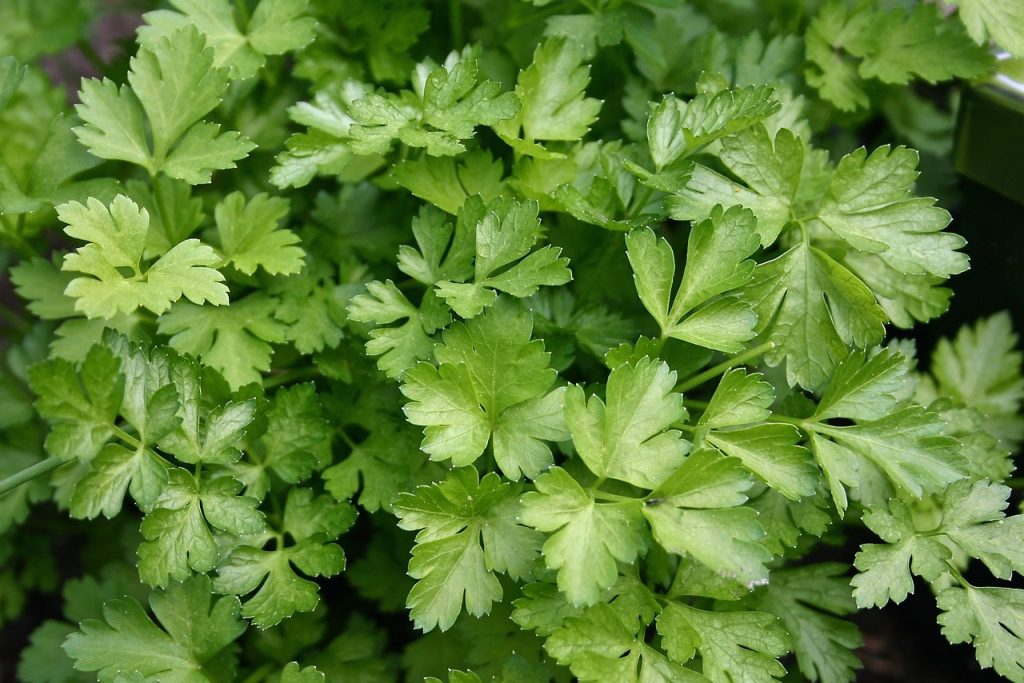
[[173, 86], [551, 92], [505, 232], [626, 437], [115, 279], [716, 262], [587, 538], [468, 529], [492, 385], [250, 237], [275, 27], [312, 522]]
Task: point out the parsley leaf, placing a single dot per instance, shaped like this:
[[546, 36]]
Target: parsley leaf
[[179, 529], [235, 340], [250, 237], [192, 638], [505, 232], [733, 645], [115, 279], [275, 27], [973, 521], [551, 92], [716, 262], [998, 20], [587, 538], [990, 619], [312, 522], [173, 86], [492, 385], [468, 529], [626, 438]]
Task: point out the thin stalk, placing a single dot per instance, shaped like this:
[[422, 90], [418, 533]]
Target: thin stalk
[[29, 473], [724, 366], [614, 497], [455, 22], [294, 375]]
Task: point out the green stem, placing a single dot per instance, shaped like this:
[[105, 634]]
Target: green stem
[[727, 364], [293, 375], [802, 424], [134, 442], [614, 497], [29, 473], [455, 22], [260, 674], [243, 14], [694, 403]]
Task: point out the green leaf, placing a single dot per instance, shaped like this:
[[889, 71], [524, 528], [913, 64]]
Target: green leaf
[[399, 347], [699, 511], [813, 309], [716, 262], [312, 522], [809, 601], [982, 369], [866, 386], [587, 538], [492, 385], [740, 399], [178, 531], [447, 183], [173, 86], [770, 171], [505, 233], [250, 237], [191, 639], [115, 279], [626, 437], [236, 340], [990, 619], [1001, 21], [870, 206], [771, 451], [276, 27], [677, 129], [908, 445], [81, 405], [312, 304], [846, 46], [468, 529], [734, 646], [552, 94], [972, 519], [602, 645]]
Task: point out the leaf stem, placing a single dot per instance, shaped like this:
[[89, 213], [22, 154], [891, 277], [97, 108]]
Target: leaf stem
[[29, 473], [455, 22], [293, 375], [727, 364], [615, 497]]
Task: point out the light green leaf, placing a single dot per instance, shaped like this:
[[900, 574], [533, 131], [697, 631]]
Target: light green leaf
[[236, 340], [116, 237], [734, 646], [625, 437], [587, 538]]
